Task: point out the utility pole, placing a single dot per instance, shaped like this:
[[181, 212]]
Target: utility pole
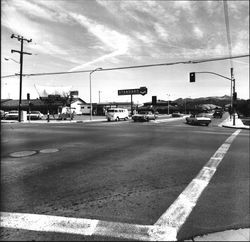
[[20, 38]]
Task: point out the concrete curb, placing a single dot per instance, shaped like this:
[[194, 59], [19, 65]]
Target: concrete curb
[[236, 127], [227, 123], [228, 235], [53, 121]]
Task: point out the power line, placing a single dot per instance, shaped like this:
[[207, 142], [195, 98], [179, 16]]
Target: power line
[[136, 66], [8, 76]]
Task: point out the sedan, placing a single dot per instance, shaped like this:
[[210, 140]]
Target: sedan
[[177, 115], [217, 114], [11, 115], [35, 115], [144, 116], [198, 119]]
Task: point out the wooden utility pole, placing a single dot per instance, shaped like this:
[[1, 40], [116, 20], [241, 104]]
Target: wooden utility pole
[[20, 38]]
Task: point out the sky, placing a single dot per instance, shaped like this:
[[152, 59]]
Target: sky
[[80, 35]]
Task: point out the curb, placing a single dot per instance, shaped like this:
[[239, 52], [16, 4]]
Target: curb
[[227, 124], [54, 121], [235, 127]]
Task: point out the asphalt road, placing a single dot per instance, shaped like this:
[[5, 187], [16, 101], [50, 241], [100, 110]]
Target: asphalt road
[[121, 172]]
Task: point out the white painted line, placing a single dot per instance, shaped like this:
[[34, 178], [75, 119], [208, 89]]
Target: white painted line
[[87, 227], [178, 212], [165, 229], [47, 223]]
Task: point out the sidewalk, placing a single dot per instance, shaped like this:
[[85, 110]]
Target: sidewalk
[[228, 123], [228, 235], [77, 119]]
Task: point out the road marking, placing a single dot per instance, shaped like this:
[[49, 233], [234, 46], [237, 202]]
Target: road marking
[[178, 212], [165, 228], [87, 227]]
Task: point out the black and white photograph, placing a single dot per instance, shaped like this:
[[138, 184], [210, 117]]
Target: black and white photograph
[[125, 120]]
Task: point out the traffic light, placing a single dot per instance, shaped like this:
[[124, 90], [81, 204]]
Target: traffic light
[[192, 76], [28, 96]]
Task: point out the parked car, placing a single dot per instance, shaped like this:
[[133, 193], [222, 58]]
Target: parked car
[[116, 114], [177, 114], [35, 115], [11, 115], [144, 116], [198, 119], [2, 113], [218, 114]]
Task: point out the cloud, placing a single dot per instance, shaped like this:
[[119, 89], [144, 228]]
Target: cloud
[[17, 23], [161, 31], [114, 41], [198, 33], [32, 9], [185, 5]]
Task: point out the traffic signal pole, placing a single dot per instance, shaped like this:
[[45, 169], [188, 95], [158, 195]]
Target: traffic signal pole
[[234, 95], [232, 79]]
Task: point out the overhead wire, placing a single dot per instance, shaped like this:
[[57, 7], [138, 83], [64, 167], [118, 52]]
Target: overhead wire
[[133, 66]]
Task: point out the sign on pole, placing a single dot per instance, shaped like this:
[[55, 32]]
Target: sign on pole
[[141, 90]]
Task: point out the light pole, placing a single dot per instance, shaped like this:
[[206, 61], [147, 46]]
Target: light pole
[[99, 96], [168, 102], [90, 91]]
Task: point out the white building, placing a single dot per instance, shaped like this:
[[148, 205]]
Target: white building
[[76, 105]]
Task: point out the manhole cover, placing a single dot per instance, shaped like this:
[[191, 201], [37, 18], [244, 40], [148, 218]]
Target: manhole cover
[[23, 153], [49, 150]]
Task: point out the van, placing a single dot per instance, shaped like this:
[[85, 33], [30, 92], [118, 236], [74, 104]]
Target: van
[[116, 114]]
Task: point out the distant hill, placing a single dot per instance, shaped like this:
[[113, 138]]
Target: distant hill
[[217, 101]]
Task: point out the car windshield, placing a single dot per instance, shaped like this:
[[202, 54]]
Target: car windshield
[[145, 112], [200, 115], [35, 112]]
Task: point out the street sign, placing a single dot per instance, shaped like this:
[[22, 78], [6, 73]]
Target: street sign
[[141, 90]]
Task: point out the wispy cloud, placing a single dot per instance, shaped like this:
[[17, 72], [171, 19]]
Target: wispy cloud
[[198, 33], [116, 42]]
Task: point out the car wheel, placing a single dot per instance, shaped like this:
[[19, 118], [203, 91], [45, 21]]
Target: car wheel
[[117, 119]]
